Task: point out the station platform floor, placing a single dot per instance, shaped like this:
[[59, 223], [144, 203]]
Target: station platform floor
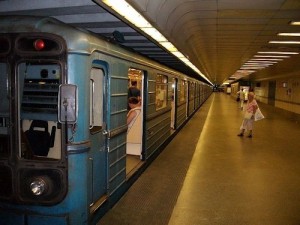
[[207, 175]]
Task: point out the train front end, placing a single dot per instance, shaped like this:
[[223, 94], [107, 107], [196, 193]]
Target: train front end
[[37, 115]]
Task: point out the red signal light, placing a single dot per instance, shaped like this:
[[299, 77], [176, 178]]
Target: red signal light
[[39, 44]]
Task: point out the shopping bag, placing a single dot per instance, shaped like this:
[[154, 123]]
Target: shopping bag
[[258, 115]]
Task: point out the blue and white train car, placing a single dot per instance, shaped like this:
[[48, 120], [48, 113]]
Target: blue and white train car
[[65, 156]]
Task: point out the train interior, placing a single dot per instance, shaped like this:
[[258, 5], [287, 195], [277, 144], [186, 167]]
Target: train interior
[[134, 135]]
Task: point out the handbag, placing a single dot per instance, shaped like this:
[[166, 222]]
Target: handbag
[[248, 115], [258, 115]]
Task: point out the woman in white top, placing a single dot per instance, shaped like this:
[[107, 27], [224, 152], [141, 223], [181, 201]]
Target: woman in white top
[[134, 112], [134, 130]]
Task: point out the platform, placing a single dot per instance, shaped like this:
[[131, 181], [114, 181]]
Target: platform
[[208, 175]]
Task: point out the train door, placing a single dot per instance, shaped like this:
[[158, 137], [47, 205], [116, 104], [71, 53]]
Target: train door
[[173, 104], [134, 120], [98, 153]]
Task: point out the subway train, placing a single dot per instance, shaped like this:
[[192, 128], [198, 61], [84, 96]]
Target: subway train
[[65, 152]]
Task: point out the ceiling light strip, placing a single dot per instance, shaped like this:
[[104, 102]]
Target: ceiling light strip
[[284, 42], [289, 34], [272, 56], [280, 53], [136, 19], [295, 23]]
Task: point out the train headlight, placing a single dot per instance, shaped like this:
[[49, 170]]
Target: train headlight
[[38, 186], [41, 186]]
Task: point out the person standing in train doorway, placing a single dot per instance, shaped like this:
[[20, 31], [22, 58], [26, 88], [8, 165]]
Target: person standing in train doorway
[[133, 91], [248, 121], [241, 94]]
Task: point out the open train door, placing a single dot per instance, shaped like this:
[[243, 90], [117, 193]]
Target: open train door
[[135, 127]]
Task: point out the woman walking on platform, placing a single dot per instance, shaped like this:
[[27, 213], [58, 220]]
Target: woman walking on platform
[[250, 111]]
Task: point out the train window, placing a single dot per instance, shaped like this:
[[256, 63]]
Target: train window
[[161, 91], [96, 100], [182, 88], [4, 111], [38, 84]]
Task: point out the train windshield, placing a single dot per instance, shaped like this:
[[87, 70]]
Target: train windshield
[[39, 129], [4, 111]]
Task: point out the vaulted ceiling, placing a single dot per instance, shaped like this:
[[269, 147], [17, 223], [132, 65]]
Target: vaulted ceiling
[[218, 36]]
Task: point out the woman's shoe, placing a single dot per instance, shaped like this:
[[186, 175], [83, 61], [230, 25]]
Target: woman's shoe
[[240, 135], [249, 136]]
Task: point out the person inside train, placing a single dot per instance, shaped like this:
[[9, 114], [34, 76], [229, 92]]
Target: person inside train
[[133, 90], [248, 121], [134, 130], [135, 109]]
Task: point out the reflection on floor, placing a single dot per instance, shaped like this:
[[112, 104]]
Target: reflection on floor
[[133, 162]]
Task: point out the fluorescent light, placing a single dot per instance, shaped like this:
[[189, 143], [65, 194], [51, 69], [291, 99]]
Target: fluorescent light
[[184, 60], [263, 62], [252, 67], [258, 64], [295, 22], [272, 56], [283, 53], [169, 46], [135, 18], [138, 21], [265, 59], [155, 34], [255, 65], [289, 34], [178, 54], [189, 64], [284, 42], [127, 11], [243, 66]]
